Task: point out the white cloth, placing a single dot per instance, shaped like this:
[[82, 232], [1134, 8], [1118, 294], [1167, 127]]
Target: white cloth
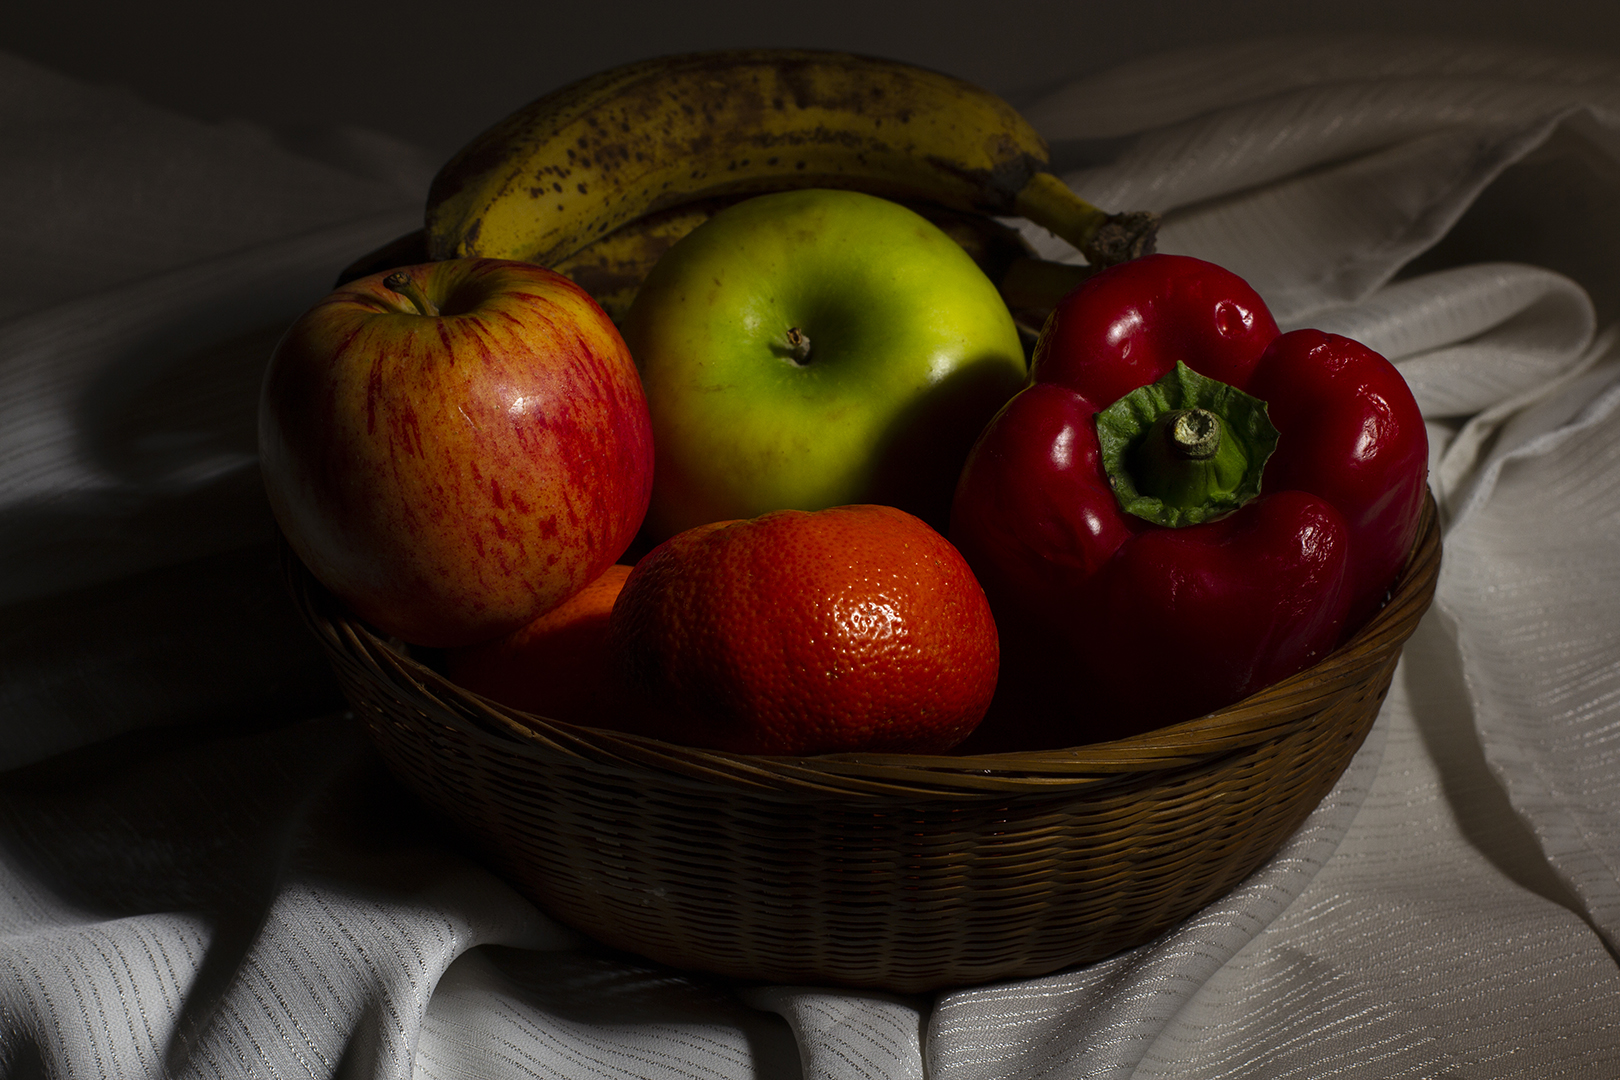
[[203, 871]]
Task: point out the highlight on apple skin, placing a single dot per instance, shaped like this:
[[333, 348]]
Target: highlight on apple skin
[[455, 448]]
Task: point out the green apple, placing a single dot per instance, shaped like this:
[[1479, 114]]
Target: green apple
[[816, 348]]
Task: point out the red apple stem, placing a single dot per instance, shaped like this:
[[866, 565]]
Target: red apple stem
[[405, 285]]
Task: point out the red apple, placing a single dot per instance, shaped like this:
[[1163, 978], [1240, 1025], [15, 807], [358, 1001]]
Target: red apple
[[455, 448]]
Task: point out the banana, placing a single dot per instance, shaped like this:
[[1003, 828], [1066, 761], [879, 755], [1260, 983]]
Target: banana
[[588, 159], [612, 268], [407, 250]]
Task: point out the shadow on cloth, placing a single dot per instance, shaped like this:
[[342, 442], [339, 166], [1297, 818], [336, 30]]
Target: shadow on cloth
[[205, 820], [212, 641], [1445, 722]]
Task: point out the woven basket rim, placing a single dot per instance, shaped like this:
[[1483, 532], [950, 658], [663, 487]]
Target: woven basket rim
[[1247, 723]]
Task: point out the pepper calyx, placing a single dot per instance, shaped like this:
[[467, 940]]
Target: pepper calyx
[[1185, 449]]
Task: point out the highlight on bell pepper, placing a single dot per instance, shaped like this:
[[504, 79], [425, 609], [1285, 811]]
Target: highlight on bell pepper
[[1182, 506]]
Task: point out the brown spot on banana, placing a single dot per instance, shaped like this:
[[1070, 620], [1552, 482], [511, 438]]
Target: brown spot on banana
[[663, 134], [613, 268]]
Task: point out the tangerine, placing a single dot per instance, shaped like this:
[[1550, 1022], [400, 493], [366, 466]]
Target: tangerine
[[556, 666], [808, 632]]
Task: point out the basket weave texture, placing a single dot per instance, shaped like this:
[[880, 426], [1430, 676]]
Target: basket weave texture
[[906, 873]]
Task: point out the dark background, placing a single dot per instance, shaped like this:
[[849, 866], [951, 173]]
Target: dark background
[[435, 73]]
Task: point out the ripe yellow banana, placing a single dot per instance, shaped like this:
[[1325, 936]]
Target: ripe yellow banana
[[594, 156], [612, 268]]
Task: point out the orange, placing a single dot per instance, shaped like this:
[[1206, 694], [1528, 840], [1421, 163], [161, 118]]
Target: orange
[[853, 628], [556, 666]]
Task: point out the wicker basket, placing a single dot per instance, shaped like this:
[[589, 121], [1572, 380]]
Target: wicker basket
[[905, 873]]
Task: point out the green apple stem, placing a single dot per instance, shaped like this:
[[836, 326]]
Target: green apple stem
[[405, 285], [798, 346]]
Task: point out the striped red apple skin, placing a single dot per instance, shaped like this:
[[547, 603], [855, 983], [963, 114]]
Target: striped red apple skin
[[454, 466]]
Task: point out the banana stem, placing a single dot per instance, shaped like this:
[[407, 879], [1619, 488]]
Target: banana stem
[[1104, 238], [1038, 284]]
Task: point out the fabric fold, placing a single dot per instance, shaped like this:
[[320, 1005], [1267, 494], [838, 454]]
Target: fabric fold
[[317, 902], [1100, 1019], [1537, 535], [851, 1035], [128, 419]]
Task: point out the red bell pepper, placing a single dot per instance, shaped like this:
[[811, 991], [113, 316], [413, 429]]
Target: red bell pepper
[[1182, 506]]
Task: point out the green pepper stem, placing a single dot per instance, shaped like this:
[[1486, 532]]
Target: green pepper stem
[[1187, 460], [1194, 434], [1184, 449]]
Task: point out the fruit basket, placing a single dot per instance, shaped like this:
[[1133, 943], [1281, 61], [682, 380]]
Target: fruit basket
[[903, 873]]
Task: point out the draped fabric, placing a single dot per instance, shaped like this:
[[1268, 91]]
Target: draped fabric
[[205, 871]]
